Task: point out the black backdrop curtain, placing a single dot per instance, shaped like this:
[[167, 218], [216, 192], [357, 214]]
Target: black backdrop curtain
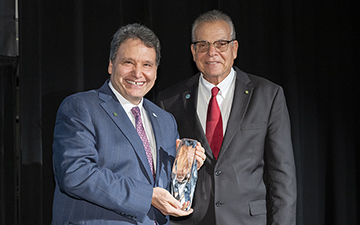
[[8, 143], [308, 47]]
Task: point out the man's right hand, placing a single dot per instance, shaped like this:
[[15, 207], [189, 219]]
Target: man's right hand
[[167, 204]]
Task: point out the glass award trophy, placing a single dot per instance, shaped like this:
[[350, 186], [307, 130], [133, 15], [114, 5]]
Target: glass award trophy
[[184, 173]]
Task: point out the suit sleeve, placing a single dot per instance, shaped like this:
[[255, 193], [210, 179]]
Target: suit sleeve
[[77, 170], [280, 167]]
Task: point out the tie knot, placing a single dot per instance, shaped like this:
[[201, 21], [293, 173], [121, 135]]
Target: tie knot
[[135, 111], [214, 91]]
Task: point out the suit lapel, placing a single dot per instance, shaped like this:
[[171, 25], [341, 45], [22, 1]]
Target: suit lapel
[[157, 133], [190, 100], [242, 95], [116, 112]]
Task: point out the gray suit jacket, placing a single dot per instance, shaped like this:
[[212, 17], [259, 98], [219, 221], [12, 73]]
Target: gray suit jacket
[[101, 170], [253, 182]]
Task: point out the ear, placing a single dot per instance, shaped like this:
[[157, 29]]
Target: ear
[[235, 47], [193, 51], [110, 67], [155, 73]]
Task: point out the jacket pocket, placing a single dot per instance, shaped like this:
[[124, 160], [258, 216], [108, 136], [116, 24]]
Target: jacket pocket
[[257, 207]]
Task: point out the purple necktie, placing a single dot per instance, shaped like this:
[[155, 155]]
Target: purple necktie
[[140, 129], [214, 128]]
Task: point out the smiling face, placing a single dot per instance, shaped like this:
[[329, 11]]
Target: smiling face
[[214, 65], [133, 71]]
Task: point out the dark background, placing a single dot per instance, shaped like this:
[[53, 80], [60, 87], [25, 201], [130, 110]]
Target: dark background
[[309, 47]]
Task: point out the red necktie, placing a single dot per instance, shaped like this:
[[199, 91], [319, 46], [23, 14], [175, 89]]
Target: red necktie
[[141, 131], [214, 128]]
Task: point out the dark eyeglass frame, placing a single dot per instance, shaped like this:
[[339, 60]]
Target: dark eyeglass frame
[[208, 45]]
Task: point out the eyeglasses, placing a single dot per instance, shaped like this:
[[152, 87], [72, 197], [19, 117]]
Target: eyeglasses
[[204, 46]]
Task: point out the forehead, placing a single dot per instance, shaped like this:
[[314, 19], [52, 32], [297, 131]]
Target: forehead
[[212, 31], [135, 47]]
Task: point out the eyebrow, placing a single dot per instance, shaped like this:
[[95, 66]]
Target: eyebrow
[[221, 39], [127, 59], [132, 59], [149, 62]]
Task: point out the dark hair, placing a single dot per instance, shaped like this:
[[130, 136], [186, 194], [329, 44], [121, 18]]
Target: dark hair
[[212, 16], [135, 31]]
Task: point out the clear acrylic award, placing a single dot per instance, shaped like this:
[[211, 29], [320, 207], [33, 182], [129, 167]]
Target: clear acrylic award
[[184, 173]]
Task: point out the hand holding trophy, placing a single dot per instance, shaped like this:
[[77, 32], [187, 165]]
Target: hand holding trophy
[[184, 173]]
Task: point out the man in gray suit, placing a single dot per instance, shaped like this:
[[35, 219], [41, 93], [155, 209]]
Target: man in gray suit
[[249, 175], [113, 150]]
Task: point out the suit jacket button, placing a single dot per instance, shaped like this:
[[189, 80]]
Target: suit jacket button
[[218, 203], [217, 172]]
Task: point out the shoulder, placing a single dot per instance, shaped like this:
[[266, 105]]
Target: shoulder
[[264, 85], [85, 97], [261, 81], [93, 96], [256, 82], [81, 102], [253, 80], [264, 89], [261, 86], [179, 88]]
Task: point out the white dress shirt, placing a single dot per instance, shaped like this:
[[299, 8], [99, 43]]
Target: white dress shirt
[[224, 98], [127, 106]]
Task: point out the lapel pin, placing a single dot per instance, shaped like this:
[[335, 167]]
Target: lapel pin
[[187, 96], [115, 114], [247, 92], [154, 115]]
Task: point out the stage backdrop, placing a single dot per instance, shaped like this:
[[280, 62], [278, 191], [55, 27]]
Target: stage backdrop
[[309, 47]]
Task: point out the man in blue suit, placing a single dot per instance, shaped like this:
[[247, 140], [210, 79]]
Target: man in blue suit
[[106, 170]]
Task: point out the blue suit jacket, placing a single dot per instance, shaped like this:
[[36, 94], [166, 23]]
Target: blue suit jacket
[[101, 171]]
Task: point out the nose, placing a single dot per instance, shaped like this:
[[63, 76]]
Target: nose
[[137, 72], [212, 50]]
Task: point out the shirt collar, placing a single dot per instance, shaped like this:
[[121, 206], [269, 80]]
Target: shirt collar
[[224, 85], [124, 102]]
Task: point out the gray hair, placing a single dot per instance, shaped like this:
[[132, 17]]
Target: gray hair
[[212, 16], [135, 31]]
